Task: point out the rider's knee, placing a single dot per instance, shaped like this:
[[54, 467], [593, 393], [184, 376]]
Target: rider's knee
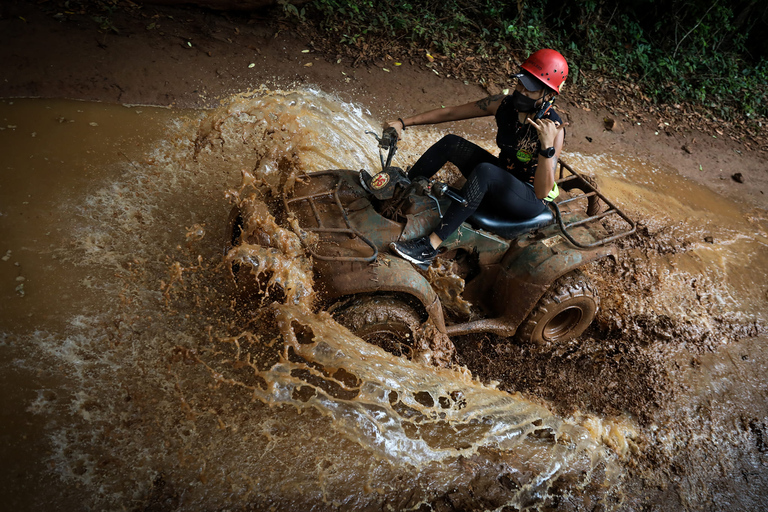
[[484, 171]]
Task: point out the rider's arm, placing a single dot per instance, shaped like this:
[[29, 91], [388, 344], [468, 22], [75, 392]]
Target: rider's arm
[[484, 107], [550, 134]]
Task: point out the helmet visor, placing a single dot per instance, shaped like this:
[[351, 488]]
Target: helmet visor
[[528, 81]]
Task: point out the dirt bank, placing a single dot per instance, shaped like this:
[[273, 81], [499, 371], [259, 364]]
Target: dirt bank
[[191, 58]]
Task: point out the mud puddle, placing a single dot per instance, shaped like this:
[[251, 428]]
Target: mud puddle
[[139, 381]]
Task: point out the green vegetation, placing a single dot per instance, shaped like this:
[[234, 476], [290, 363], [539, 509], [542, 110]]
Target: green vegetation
[[712, 53]]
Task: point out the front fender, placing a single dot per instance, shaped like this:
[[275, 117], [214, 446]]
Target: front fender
[[338, 279]]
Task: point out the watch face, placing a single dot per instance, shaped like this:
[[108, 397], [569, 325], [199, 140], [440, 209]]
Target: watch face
[[548, 152]]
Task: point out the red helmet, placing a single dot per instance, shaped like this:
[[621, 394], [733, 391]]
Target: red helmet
[[549, 67]]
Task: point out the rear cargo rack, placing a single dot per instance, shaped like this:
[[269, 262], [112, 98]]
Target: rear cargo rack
[[331, 196], [576, 180]]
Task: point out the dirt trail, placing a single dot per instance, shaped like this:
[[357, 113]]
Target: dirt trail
[[192, 58]]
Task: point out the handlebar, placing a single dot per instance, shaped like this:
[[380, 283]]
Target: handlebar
[[440, 189], [387, 142]]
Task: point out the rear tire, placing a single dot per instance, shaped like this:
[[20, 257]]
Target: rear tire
[[385, 321], [563, 313]]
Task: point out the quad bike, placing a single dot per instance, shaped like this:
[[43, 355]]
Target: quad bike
[[507, 277]]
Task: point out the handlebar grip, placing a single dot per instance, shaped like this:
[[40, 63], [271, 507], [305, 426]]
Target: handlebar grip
[[456, 197], [388, 138], [440, 189]]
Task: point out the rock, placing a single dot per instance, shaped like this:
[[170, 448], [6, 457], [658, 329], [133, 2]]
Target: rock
[[609, 123], [738, 177], [709, 239], [492, 89]]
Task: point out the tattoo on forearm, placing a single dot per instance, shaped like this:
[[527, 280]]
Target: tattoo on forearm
[[484, 103]]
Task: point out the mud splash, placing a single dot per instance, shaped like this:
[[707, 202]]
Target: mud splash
[[148, 383], [143, 380]]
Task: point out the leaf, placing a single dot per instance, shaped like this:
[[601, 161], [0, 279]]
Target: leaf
[[251, 65]]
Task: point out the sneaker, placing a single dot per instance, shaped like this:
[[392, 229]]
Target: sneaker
[[418, 251]]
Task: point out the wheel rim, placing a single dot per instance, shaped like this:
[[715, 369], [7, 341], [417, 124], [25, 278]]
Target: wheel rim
[[562, 323]]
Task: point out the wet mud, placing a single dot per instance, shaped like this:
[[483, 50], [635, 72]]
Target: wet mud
[[147, 377]]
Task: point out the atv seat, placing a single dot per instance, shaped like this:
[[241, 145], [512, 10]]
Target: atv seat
[[509, 228]]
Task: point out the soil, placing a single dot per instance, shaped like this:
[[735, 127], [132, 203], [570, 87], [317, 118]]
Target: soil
[[194, 58]]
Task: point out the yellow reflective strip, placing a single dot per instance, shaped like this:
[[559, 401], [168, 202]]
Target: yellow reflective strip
[[553, 194]]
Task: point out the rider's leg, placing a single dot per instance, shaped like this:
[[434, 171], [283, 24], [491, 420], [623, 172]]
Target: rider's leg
[[507, 195], [463, 154]]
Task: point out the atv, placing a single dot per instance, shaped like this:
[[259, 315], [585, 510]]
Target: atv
[[494, 275]]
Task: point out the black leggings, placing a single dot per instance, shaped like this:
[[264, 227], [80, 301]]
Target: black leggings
[[487, 182]]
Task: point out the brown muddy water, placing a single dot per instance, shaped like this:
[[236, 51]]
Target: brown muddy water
[[134, 378]]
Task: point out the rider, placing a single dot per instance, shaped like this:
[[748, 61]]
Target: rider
[[515, 184]]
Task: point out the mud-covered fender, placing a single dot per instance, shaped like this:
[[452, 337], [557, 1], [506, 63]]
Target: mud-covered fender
[[526, 274], [386, 274]]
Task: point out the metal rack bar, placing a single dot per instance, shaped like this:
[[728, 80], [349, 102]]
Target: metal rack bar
[[591, 191], [349, 230]]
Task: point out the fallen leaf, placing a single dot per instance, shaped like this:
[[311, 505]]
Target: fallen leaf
[[308, 64], [385, 69], [304, 51], [430, 58], [251, 65]]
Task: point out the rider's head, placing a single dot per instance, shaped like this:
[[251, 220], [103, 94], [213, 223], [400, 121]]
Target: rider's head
[[544, 69]]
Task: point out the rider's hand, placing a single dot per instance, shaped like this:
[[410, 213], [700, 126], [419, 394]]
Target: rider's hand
[[397, 125], [547, 130]]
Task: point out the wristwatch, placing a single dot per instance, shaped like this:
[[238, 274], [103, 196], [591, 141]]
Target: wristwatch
[[547, 152]]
